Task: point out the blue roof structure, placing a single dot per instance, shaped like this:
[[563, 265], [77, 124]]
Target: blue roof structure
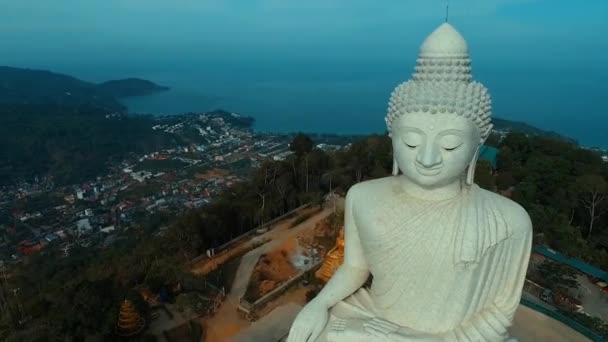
[[488, 153], [574, 263]]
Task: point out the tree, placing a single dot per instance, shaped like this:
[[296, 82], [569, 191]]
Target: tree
[[555, 227], [558, 276], [493, 140], [520, 145], [301, 144], [504, 180], [483, 175], [504, 162], [593, 192]]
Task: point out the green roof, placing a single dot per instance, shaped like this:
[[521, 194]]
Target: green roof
[[488, 153], [575, 263]]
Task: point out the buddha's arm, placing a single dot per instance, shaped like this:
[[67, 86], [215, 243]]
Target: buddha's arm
[[353, 273], [491, 324]]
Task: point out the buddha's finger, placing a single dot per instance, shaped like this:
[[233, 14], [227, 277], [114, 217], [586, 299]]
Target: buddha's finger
[[375, 333], [338, 325], [297, 336], [375, 328], [381, 327], [387, 324], [306, 337], [290, 337]]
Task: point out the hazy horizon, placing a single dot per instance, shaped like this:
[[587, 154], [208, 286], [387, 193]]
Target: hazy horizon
[[325, 66]]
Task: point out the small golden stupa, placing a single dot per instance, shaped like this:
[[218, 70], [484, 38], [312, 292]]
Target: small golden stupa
[[333, 259], [129, 321]]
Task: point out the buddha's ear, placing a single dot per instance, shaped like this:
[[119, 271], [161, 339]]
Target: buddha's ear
[[471, 169], [395, 167]]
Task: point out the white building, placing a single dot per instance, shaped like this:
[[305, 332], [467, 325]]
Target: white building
[[141, 176], [83, 226], [108, 229]]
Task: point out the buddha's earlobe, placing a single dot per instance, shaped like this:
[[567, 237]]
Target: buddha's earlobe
[[471, 170], [395, 167]]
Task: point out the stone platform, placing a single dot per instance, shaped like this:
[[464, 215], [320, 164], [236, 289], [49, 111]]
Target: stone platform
[[529, 325]]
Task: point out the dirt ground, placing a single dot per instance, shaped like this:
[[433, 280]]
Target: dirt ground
[[272, 270], [276, 267]]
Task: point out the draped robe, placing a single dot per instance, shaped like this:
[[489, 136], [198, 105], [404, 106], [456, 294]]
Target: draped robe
[[453, 268]]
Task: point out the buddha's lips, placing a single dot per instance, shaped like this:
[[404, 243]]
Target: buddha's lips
[[428, 171]]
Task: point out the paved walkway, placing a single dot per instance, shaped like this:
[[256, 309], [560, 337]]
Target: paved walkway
[[594, 300]]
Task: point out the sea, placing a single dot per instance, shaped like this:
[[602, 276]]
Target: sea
[[351, 97]]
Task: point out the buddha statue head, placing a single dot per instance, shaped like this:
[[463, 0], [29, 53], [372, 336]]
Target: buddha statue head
[[439, 119]]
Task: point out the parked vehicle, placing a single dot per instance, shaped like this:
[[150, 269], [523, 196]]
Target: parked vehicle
[[546, 296]]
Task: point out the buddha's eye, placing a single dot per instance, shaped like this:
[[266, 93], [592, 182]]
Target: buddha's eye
[[451, 142], [412, 140]]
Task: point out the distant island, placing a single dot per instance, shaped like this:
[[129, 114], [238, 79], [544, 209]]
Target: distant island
[[28, 86]]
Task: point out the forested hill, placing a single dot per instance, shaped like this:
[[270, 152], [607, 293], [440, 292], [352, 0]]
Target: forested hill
[[27, 86], [70, 143]]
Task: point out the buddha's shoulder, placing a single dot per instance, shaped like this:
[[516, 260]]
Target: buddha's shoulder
[[515, 215], [372, 188]]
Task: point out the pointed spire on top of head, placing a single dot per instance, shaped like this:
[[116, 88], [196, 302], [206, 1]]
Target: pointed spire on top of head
[[444, 42]]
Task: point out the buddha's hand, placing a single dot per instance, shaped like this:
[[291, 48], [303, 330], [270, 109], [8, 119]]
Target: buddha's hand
[[385, 331], [381, 330], [309, 323]]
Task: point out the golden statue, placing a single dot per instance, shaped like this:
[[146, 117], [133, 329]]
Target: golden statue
[[129, 321], [333, 260]]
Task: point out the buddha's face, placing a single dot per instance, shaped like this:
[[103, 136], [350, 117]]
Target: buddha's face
[[434, 150]]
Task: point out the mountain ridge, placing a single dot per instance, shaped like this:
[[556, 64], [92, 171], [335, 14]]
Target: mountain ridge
[[34, 86]]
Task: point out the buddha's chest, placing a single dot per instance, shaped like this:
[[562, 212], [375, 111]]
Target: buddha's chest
[[410, 240]]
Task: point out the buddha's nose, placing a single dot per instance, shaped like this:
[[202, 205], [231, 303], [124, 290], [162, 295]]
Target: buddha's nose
[[429, 156]]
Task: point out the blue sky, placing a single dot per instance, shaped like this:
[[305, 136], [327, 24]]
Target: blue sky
[[544, 61], [67, 30]]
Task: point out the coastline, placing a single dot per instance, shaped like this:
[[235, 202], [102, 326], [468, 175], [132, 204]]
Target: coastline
[[270, 119]]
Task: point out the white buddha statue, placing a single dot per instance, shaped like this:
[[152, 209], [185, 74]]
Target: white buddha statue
[[448, 258]]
